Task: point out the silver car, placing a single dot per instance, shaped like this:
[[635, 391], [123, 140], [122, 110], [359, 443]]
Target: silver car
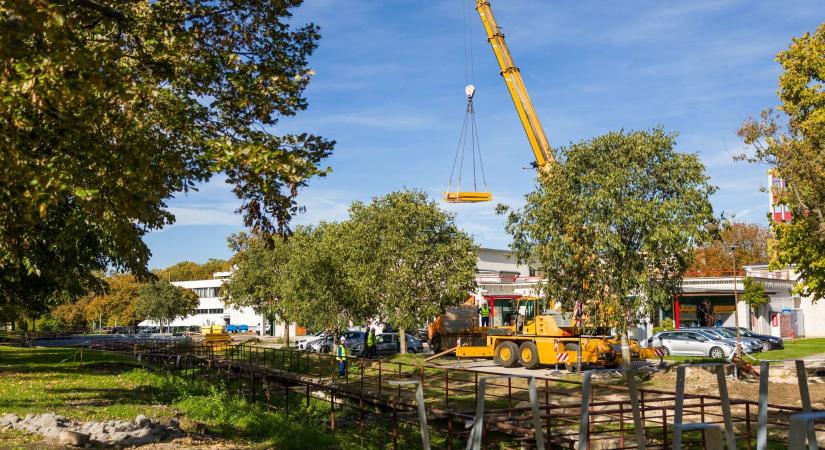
[[749, 345], [691, 343]]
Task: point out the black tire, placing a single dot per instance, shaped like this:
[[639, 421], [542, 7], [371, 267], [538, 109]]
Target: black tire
[[716, 353], [324, 349], [506, 354], [571, 347], [528, 355], [435, 344], [667, 351], [766, 346]]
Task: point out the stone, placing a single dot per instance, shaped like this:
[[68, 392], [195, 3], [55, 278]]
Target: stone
[[174, 422], [141, 420], [8, 419], [73, 438]]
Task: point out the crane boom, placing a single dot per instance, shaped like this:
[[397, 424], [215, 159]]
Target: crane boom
[[518, 92]]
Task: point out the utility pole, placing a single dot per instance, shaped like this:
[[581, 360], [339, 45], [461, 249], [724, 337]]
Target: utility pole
[[732, 248]]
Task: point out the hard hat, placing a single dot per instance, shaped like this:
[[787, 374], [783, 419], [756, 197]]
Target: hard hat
[[343, 339]]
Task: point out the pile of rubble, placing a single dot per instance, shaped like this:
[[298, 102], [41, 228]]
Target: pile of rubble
[[81, 434]]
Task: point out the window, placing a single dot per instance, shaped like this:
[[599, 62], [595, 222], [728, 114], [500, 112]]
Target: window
[[208, 292], [209, 311]]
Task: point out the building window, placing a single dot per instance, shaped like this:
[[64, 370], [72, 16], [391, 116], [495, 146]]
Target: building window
[[208, 292], [209, 311]]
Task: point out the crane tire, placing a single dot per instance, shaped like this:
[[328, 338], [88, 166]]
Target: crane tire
[[506, 354], [528, 355]]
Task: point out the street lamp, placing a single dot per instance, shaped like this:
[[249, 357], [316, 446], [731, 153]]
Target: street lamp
[[732, 248]]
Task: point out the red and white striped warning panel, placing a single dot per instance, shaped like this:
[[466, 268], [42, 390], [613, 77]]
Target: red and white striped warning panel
[[562, 357], [660, 351]]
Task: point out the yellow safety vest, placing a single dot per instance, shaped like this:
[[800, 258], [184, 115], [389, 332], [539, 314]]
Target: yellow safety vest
[[341, 353], [370, 339], [485, 311]]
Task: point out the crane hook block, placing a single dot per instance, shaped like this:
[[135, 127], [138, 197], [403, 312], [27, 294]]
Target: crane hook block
[[467, 197]]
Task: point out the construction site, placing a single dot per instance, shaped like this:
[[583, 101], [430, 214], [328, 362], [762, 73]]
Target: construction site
[[629, 311]]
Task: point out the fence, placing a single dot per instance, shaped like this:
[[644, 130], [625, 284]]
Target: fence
[[372, 396]]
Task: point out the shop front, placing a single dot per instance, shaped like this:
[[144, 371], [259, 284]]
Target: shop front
[[703, 310]]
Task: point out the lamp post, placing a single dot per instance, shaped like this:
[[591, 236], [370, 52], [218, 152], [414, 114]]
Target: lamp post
[[732, 248]]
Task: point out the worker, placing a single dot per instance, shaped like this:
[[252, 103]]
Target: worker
[[365, 345], [371, 353], [341, 357], [485, 314]]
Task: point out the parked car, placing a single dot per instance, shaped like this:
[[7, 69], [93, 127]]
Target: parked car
[[768, 342], [390, 344], [691, 343], [749, 345], [327, 343], [302, 341]]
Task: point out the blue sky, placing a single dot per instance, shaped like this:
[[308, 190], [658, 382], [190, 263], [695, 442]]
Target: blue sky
[[389, 88]]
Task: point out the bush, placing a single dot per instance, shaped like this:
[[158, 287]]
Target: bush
[[665, 325]]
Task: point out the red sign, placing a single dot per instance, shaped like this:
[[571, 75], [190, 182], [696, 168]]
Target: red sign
[[774, 320]]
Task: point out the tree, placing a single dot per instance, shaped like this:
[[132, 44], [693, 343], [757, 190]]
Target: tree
[[793, 142], [320, 288], [161, 301], [409, 258], [754, 294], [611, 225], [715, 259], [111, 108], [259, 273], [188, 270]]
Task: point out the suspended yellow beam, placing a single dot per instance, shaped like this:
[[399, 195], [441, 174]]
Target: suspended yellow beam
[[467, 197], [518, 92]]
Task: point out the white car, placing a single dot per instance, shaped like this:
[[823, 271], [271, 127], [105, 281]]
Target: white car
[[303, 341]]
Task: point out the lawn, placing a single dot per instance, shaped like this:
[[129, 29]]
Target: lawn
[[795, 349], [109, 386]]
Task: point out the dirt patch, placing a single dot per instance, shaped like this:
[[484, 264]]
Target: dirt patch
[[782, 390]]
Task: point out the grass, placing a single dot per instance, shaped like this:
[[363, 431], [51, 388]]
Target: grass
[[110, 386], [795, 349]]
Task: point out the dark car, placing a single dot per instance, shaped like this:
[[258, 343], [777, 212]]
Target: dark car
[[768, 342]]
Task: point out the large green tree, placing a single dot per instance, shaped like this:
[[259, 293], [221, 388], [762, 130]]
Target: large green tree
[[259, 274], [409, 259], [612, 224], [793, 142], [319, 289], [108, 109], [163, 302]]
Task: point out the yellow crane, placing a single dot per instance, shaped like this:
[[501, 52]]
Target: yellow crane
[[521, 100]]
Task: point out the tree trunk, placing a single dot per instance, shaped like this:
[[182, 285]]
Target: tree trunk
[[286, 334], [626, 363], [402, 337]]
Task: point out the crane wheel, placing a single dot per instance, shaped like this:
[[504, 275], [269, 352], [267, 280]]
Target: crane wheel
[[528, 355], [506, 354]]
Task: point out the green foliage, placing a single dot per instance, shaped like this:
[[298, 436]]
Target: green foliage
[[667, 324], [754, 294], [161, 301], [188, 270], [111, 108], [320, 289], [612, 224], [259, 274], [794, 144], [410, 259]]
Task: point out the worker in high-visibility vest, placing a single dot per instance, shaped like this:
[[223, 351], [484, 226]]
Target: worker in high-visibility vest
[[485, 315], [341, 357], [371, 353]]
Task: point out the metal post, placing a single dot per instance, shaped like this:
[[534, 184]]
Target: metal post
[[730, 437], [584, 421], [534, 403], [805, 396], [474, 442], [422, 412], [801, 424], [677, 411]]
